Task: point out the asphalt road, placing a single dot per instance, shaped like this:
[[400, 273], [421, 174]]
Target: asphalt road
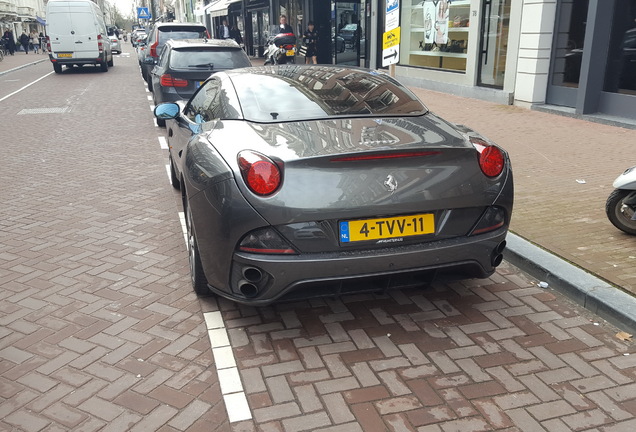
[[99, 329]]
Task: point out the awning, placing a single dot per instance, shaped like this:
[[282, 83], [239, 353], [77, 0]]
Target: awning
[[40, 20], [219, 7]]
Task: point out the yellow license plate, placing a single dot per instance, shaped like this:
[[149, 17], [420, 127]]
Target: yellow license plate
[[386, 228], [64, 55], [291, 52]]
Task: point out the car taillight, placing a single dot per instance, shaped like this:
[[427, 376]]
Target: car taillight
[[168, 80], [100, 43], [491, 158], [493, 218], [265, 240], [153, 49], [48, 43], [260, 173]]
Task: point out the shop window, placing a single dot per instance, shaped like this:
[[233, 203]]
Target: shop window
[[620, 75], [570, 35], [435, 34]]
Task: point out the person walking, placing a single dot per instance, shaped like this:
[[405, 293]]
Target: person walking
[[34, 42], [235, 34], [24, 41], [10, 41], [42, 39], [310, 39], [223, 31]]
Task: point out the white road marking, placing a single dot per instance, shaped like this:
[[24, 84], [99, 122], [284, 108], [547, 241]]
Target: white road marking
[[229, 378], [149, 97], [164, 146], [26, 86], [152, 108]]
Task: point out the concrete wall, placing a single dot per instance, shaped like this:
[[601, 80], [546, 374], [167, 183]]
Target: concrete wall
[[535, 45]]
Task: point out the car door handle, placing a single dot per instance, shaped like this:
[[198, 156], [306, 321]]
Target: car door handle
[[79, 42]]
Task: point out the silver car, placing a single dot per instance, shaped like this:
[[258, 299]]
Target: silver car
[[115, 44], [321, 180]]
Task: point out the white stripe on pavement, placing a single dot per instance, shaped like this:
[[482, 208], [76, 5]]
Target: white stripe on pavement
[[26, 86], [164, 145]]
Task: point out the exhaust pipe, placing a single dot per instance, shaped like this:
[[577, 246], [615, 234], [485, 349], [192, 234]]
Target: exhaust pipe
[[497, 254], [249, 290], [252, 274]]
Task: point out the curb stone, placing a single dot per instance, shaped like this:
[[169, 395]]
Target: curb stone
[[591, 292], [22, 66]]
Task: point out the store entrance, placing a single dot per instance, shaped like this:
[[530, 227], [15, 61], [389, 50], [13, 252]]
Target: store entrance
[[259, 20], [348, 32], [567, 53]]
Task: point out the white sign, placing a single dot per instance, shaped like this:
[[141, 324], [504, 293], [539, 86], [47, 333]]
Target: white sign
[[392, 19], [390, 55]]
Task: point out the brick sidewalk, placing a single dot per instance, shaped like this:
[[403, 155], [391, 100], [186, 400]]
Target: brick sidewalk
[[21, 59], [549, 154]]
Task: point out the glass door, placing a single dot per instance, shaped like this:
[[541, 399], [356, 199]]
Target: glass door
[[348, 33], [567, 52], [495, 22]]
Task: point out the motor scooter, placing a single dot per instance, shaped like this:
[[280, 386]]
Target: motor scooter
[[621, 204], [281, 48]]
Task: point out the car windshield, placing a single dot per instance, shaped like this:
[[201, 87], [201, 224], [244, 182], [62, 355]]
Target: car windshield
[[294, 94], [180, 33], [208, 58]]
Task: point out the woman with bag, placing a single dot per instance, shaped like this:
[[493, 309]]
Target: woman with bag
[[310, 40]]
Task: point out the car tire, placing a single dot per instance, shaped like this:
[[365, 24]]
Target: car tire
[[613, 209], [111, 63], [174, 180], [199, 281], [149, 81], [103, 66], [57, 68]]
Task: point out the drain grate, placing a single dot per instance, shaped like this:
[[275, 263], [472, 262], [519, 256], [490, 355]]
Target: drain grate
[[61, 110]]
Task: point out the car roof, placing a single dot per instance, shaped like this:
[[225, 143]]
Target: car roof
[[203, 43]]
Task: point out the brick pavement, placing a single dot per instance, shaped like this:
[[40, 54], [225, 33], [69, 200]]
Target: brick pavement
[[20, 60], [549, 154], [497, 354], [99, 329]]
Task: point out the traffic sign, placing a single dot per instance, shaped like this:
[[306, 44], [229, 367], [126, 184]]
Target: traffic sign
[[390, 55], [392, 16], [143, 13], [391, 38]]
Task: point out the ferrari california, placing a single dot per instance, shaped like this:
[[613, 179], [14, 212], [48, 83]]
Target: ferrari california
[[312, 180]]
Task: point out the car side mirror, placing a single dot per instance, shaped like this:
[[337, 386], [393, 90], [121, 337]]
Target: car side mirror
[[168, 110]]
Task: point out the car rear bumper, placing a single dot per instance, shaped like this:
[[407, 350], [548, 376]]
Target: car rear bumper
[[77, 61], [272, 277]]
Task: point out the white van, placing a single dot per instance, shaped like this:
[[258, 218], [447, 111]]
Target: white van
[[76, 34]]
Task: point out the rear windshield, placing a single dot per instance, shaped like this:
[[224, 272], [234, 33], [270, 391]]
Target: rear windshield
[[206, 58], [309, 93], [166, 34]]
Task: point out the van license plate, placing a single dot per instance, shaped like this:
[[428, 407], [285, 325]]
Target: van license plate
[[64, 55]]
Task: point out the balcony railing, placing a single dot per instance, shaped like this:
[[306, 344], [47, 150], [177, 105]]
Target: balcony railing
[[7, 8]]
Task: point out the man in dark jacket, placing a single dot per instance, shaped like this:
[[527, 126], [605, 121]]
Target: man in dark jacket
[[24, 40], [284, 27]]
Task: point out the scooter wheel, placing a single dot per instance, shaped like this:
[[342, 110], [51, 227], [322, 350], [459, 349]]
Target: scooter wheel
[[619, 213]]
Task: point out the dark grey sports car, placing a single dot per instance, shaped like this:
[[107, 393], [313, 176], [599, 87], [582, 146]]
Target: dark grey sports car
[[315, 180]]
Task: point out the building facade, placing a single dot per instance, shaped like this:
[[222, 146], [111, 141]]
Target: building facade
[[22, 16]]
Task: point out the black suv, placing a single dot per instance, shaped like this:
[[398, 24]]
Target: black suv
[[159, 34], [184, 65]]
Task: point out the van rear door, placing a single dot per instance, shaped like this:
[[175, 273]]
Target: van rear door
[[73, 30]]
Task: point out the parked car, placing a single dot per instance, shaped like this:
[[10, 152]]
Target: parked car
[[185, 64], [348, 33], [305, 180], [141, 48], [137, 35], [162, 32], [77, 35], [115, 44]]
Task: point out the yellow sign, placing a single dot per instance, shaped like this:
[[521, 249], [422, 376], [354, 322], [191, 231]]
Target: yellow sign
[[391, 38]]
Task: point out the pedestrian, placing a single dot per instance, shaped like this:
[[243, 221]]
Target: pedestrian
[[223, 31], [310, 40], [34, 42], [284, 27], [10, 41], [42, 39], [235, 34], [24, 41]]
